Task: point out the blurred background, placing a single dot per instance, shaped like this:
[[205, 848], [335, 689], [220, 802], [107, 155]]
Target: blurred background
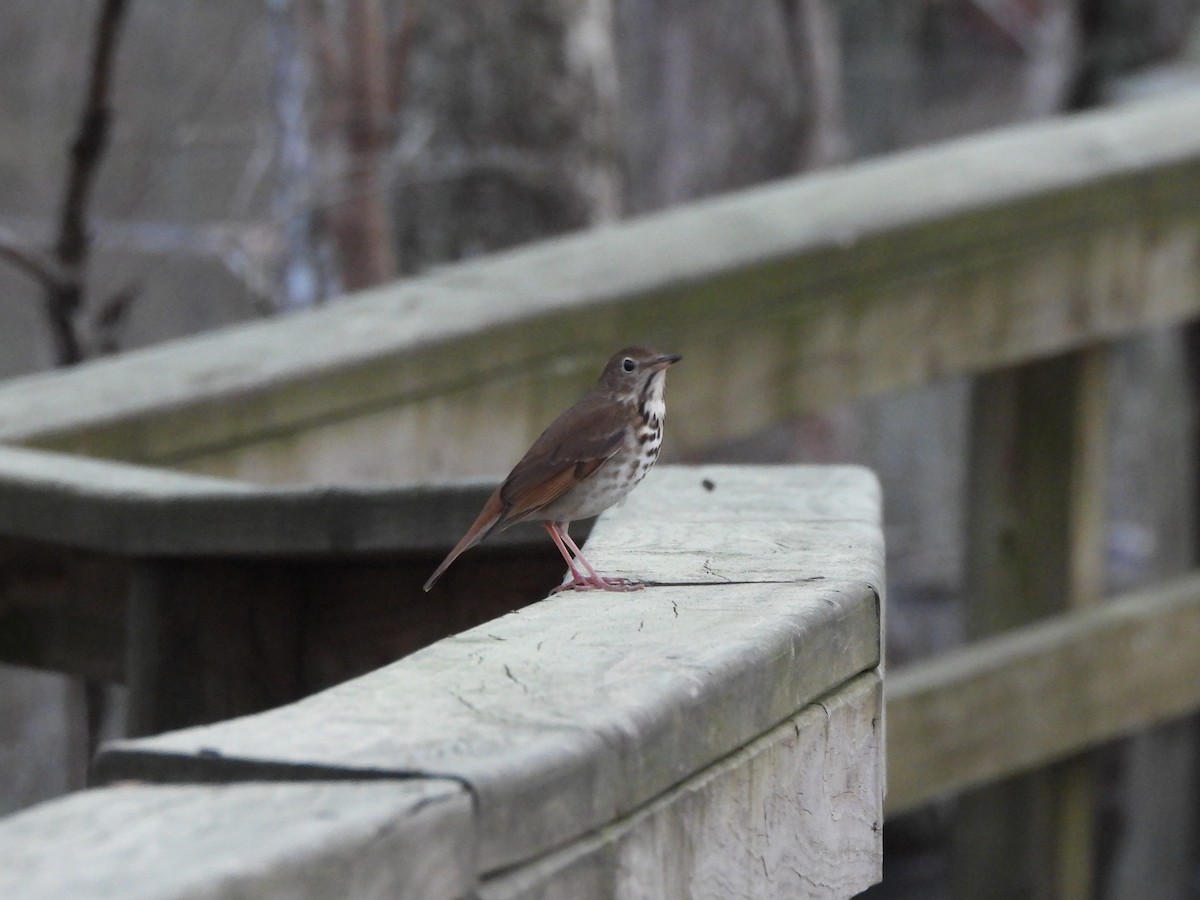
[[266, 156]]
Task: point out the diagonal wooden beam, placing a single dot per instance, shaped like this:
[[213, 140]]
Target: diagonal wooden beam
[[1041, 693]]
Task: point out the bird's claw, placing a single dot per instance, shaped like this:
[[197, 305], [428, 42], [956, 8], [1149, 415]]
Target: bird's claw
[[621, 584], [600, 584]]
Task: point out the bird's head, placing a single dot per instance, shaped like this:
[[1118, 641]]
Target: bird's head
[[631, 371]]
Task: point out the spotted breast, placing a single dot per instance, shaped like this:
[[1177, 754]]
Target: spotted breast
[[624, 471]]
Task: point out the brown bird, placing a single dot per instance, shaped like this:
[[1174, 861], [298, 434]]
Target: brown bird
[[589, 458]]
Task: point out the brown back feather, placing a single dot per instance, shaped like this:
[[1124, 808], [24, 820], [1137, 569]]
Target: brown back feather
[[484, 524], [574, 446]]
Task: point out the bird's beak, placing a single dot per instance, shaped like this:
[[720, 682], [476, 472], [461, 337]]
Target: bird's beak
[[665, 361]]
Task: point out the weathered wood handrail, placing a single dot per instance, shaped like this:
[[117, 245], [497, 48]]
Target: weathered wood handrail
[[553, 749], [184, 586], [140, 511], [956, 258], [1042, 693]]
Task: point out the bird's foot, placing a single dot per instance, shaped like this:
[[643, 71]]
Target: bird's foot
[[621, 584], [600, 583], [573, 585]]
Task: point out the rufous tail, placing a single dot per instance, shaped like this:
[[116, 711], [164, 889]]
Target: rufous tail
[[485, 522]]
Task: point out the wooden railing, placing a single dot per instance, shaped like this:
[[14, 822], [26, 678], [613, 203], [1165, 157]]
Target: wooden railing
[[577, 747], [1016, 256], [1040, 693], [787, 298]]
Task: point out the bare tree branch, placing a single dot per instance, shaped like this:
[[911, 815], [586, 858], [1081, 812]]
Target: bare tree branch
[[71, 248], [816, 40], [353, 132], [110, 318], [35, 263], [91, 139]]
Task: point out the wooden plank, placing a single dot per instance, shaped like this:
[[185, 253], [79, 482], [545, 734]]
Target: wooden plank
[[958, 258], [796, 813], [190, 605], [557, 725], [1018, 523], [140, 511], [578, 709], [87, 646], [361, 614], [263, 556], [62, 609], [210, 639], [1041, 693], [1158, 769], [65, 608], [214, 638], [1074, 827], [1035, 523], [1089, 466], [770, 526], [410, 839]]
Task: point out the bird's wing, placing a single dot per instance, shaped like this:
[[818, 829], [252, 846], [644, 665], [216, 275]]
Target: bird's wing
[[575, 445]]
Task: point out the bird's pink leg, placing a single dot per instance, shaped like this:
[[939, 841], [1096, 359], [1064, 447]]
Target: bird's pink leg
[[578, 581], [594, 579]]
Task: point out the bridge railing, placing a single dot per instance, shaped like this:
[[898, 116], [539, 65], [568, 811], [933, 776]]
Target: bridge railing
[[718, 732]]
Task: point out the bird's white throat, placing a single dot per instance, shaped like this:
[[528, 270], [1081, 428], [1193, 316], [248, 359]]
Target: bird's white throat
[[653, 404]]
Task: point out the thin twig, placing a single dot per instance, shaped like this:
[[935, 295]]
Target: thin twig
[[71, 248], [110, 318], [35, 263], [91, 139]]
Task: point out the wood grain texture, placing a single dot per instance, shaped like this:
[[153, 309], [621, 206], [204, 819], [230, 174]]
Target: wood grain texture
[[795, 814], [212, 638], [62, 609], [1035, 522], [141, 511], [957, 258], [579, 709], [72, 530], [1041, 693], [709, 525], [142, 842]]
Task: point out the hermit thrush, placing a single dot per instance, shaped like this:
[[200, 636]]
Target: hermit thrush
[[589, 458]]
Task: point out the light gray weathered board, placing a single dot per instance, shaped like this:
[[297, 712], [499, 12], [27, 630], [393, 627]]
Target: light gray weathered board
[[784, 298], [135, 511], [578, 710], [379, 839], [793, 815], [1044, 692]]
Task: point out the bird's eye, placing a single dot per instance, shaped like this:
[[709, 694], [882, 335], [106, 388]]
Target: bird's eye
[[628, 365]]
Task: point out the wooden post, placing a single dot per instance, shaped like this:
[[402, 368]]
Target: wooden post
[[1035, 546], [1073, 865], [1160, 767], [210, 639]]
